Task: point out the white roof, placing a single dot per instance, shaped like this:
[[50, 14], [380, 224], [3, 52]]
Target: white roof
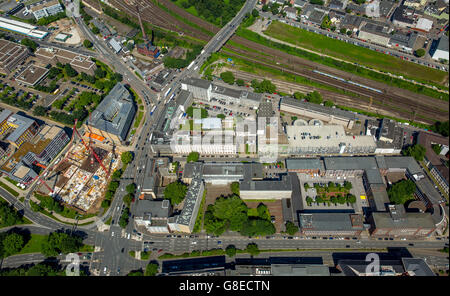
[[209, 123], [424, 24]]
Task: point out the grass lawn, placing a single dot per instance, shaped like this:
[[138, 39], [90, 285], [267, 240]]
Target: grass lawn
[[138, 119], [34, 244], [132, 254], [9, 189], [352, 53]]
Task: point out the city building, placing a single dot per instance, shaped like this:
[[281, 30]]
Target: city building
[[79, 62], [436, 163], [32, 75], [415, 3], [113, 116], [11, 55], [205, 90], [116, 46], [402, 17], [391, 267], [398, 223], [316, 138], [373, 9], [300, 3], [20, 129], [266, 189], [148, 49], [44, 8], [149, 183], [47, 144], [185, 221], [62, 37], [310, 110], [184, 100], [402, 41], [424, 25], [330, 224], [224, 173], [22, 173], [291, 12], [374, 34], [388, 135], [439, 49], [153, 215], [22, 28]]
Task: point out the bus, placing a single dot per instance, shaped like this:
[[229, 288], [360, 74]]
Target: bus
[[56, 91], [153, 110], [167, 92]]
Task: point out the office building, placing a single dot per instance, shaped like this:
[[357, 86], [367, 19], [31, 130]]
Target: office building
[[44, 8], [11, 55], [113, 116], [398, 223], [153, 215], [79, 62], [330, 224]]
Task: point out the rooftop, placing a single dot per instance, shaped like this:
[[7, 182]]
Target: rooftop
[[201, 83], [154, 208], [115, 112], [299, 270], [267, 185], [318, 108], [21, 124], [32, 75], [330, 221], [304, 164]]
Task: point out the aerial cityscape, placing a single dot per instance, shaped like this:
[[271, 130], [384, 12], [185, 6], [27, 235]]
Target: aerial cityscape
[[224, 138]]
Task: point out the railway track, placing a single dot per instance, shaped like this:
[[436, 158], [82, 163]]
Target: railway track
[[339, 99], [398, 98], [398, 107]]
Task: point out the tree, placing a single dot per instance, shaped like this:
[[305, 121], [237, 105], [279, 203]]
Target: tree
[[240, 82], [402, 191], [227, 77], [306, 186], [151, 269], [71, 72], [347, 185], [417, 151], [12, 243], [420, 52], [351, 198], [263, 212], [299, 95], [136, 273], [334, 199], [131, 188], [123, 221], [95, 30], [255, 13], [341, 199], [309, 200], [230, 251], [441, 128], [29, 43], [59, 242], [175, 192], [87, 43], [314, 97], [265, 8], [319, 199], [126, 157], [342, 30], [193, 157], [252, 249], [235, 188], [291, 229], [221, 116], [128, 198], [328, 104]]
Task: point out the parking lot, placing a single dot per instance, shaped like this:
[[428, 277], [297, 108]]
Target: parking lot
[[216, 107]]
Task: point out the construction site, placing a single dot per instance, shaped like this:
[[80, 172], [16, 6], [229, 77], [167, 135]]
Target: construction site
[[81, 178]]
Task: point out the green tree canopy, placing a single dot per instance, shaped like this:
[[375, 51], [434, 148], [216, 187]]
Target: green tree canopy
[[12, 243], [402, 191], [193, 157], [151, 269], [131, 188], [230, 251], [175, 192], [227, 77], [291, 229], [126, 157], [417, 151], [235, 188], [240, 82], [59, 242], [420, 52], [252, 249], [87, 43]]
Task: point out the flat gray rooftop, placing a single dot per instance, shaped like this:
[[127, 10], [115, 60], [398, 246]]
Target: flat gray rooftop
[[330, 221], [318, 108]]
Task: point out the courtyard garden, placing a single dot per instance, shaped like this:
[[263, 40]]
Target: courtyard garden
[[331, 193]]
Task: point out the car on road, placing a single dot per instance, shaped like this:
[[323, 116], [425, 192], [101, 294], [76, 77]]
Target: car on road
[[219, 242], [112, 234], [123, 250]]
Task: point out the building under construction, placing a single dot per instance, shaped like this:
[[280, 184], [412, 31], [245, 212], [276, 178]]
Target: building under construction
[[80, 181]]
